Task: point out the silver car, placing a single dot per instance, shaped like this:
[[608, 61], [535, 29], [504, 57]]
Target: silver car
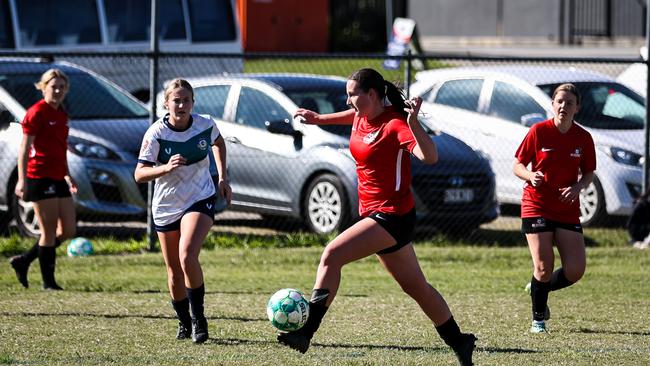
[[106, 129]]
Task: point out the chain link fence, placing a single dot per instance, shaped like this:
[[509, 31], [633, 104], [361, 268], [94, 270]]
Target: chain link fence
[[288, 177]]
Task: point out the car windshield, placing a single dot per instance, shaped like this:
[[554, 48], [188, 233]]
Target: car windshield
[[88, 98], [323, 100], [607, 105]]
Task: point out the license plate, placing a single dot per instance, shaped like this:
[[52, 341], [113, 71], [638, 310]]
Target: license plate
[[458, 195]]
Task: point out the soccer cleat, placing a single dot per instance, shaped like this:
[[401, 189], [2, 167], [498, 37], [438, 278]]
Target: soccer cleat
[[18, 264], [538, 326], [199, 330], [465, 349], [547, 310], [184, 332], [52, 287], [297, 340]]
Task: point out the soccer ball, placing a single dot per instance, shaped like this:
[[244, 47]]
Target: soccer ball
[[79, 247], [288, 309]]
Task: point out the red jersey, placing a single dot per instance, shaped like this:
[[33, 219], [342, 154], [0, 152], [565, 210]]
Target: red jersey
[[561, 157], [381, 148], [49, 126]]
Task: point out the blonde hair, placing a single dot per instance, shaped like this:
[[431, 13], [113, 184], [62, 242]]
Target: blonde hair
[[178, 83], [569, 88], [49, 75]]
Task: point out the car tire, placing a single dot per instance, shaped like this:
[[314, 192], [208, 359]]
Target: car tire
[[592, 204], [23, 213], [325, 205]]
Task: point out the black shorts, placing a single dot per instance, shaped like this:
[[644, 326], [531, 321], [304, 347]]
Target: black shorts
[[205, 206], [37, 189], [400, 227], [531, 225]]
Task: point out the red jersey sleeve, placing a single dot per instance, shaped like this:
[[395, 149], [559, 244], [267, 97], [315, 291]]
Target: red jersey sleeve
[[32, 122], [526, 151], [404, 135], [588, 164]]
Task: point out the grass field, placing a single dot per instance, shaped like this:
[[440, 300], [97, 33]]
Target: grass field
[[115, 310]]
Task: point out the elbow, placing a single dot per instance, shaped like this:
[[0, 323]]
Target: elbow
[[430, 159]]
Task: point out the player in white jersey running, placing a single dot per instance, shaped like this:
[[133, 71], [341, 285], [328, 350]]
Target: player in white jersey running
[[175, 152]]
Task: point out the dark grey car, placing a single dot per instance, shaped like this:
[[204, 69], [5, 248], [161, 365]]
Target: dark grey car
[[278, 166]]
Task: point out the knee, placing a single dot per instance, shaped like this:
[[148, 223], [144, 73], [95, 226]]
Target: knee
[[574, 274], [416, 289], [187, 260], [543, 272], [67, 233], [331, 259], [175, 275]]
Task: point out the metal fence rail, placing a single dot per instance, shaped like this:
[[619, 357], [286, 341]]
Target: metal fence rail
[[287, 181]]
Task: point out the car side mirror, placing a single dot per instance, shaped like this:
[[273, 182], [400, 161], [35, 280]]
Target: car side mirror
[[530, 119], [282, 127]]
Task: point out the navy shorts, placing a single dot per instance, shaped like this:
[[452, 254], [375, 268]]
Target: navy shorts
[[400, 227], [37, 189], [532, 225], [205, 206]]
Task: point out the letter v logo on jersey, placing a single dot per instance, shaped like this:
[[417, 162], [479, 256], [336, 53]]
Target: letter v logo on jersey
[[168, 150]]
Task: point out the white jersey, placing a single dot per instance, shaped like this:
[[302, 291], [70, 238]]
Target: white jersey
[[179, 189]]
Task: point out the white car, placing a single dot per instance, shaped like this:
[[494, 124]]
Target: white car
[[491, 109], [635, 76]]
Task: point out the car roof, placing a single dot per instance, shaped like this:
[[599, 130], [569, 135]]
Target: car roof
[[536, 75], [24, 66], [277, 80]]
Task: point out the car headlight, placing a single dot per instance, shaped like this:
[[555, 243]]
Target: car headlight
[[625, 156], [87, 149]]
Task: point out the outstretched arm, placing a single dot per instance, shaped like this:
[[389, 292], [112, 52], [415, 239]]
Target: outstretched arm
[[338, 118]]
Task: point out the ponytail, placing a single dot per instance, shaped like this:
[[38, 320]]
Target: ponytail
[[396, 97]]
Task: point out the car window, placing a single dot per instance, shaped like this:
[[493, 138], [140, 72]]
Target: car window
[[124, 19], [511, 103], [211, 20], [211, 100], [46, 22], [88, 98], [255, 108], [6, 29], [607, 105], [461, 94], [172, 24]]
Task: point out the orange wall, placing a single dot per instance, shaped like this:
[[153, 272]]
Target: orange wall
[[284, 25]]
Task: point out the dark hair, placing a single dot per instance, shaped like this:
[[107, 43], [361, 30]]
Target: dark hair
[[569, 88], [371, 79]]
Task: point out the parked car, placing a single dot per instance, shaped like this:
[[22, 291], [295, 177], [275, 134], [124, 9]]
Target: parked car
[[278, 166], [491, 109], [635, 76], [106, 129]]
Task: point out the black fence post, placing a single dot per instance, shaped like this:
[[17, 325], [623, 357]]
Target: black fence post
[[646, 152], [153, 87], [407, 84]]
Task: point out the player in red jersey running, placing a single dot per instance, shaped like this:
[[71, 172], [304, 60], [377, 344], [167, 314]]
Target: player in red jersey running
[[383, 137], [44, 179], [562, 158]]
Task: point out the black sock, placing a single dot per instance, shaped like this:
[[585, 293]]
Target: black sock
[[559, 280], [539, 295], [449, 332], [47, 260], [182, 309], [32, 253], [317, 310], [195, 297]]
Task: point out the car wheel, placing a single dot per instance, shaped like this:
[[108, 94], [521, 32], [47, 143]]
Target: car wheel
[[23, 213], [325, 207], [592, 204]]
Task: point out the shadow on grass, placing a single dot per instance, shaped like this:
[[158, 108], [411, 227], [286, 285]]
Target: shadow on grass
[[123, 316], [618, 332]]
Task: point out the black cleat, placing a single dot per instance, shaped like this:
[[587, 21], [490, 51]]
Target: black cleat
[[184, 331], [199, 330], [297, 340], [52, 287], [18, 264], [465, 349]]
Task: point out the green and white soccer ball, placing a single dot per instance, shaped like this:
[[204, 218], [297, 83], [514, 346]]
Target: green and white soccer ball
[[80, 247], [288, 309]]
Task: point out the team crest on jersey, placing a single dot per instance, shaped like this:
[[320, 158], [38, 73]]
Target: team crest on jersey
[[370, 138], [202, 144], [576, 153]]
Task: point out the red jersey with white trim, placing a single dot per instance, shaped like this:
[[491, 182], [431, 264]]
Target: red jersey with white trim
[[381, 148], [562, 157], [49, 126]]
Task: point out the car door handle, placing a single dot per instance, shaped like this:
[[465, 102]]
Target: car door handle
[[487, 133], [233, 139]]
